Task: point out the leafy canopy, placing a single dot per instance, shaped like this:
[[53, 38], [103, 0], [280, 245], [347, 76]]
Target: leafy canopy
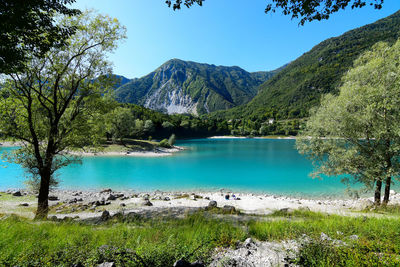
[[358, 132], [28, 26], [56, 104], [306, 10]]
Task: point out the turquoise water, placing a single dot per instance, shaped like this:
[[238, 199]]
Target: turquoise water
[[265, 165]]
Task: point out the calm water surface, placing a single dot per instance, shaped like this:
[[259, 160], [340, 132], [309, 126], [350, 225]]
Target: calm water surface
[[265, 165]]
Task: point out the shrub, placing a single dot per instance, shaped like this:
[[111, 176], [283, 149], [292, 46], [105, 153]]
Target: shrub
[[164, 143]]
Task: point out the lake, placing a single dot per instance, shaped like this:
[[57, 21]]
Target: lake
[[259, 165]]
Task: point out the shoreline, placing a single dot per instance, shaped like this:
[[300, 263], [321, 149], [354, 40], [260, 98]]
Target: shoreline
[[81, 203], [256, 137], [158, 152]]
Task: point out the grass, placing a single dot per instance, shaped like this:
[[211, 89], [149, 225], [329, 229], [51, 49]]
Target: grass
[[378, 242], [141, 243], [144, 242]]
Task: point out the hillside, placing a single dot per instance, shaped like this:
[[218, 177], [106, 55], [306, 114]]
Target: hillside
[[299, 86], [188, 87]]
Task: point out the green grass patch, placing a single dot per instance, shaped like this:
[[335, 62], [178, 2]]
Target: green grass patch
[[142, 243]]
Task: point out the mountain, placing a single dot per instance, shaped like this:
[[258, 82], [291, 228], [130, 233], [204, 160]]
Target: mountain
[[299, 86], [180, 86]]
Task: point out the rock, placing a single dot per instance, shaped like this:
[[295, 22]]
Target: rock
[[207, 198], [227, 197], [229, 209], [325, 237], [248, 243], [147, 203], [17, 194], [365, 204], [106, 191], [212, 204], [167, 199], [24, 204], [122, 205], [107, 264], [286, 210], [182, 263], [53, 198], [111, 197], [105, 216], [353, 237]]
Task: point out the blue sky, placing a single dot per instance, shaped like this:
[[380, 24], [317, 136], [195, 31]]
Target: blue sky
[[222, 32]]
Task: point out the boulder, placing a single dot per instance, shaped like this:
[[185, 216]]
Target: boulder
[[106, 191], [229, 209], [212, 204], [248, 243], [147, 202], [111, 197], [105, 216], [17, 194]]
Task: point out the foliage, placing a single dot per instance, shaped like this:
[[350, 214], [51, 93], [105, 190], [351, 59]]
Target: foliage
[[305, 10], [171, 140], [28, 27], [56, 103], [120, 122], [299, 86], [357, 132], [165, 143]]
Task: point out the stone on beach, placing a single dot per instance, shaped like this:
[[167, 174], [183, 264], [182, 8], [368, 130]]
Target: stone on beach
[[53, 198], [17, 194], [147, 202], [212, 204]]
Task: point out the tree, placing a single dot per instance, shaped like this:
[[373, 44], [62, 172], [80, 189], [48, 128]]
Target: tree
[[357, 133], [28, 26], [121, 123], [306, 10], [138, 128], [56, 104], [149, 127]]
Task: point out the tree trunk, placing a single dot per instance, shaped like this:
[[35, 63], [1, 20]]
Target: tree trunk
[[387, 190], [378, 192], [43, 199]]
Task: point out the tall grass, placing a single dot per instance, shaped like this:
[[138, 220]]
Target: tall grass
[[151, 243], [144, 242]]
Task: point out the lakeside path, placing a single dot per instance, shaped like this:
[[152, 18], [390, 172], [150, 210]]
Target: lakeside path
[[89, 204]]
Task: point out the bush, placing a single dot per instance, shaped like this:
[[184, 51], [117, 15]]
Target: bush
[[164, 143], [171, 140]]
